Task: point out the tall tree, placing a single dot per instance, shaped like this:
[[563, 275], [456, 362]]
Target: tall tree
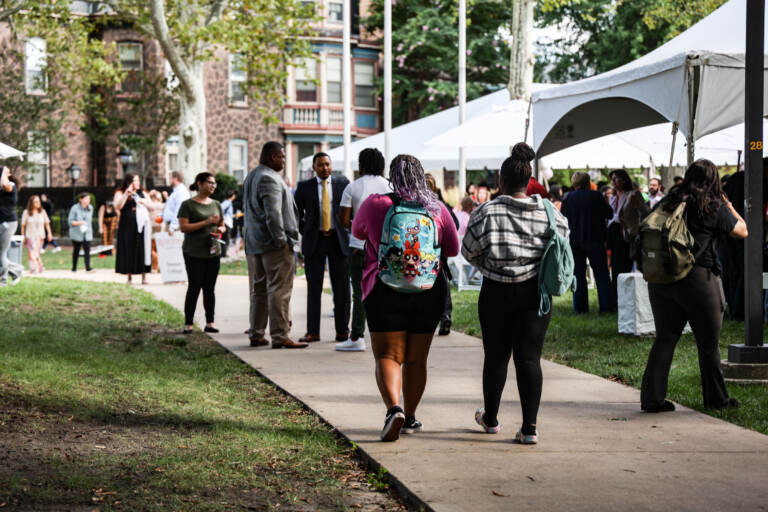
[[425, 50], [521, 53], [270, 35], [600, 35]]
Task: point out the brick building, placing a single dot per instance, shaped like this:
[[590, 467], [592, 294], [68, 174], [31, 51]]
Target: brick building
[[311, 121]]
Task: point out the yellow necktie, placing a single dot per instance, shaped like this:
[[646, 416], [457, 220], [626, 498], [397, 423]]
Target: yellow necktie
[[326, 207]]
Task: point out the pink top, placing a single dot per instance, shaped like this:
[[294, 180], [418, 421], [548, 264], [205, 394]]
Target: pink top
[[463, 218], [369, 222]]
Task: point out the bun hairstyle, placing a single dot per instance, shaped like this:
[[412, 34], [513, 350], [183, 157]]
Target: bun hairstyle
[[516, 170], [200, 178]]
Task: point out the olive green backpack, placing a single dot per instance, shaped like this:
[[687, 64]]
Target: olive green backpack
[[665, 252]]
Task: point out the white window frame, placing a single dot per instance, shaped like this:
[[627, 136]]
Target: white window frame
[[360, 65], [39, 157], [236, 77], [328, 80], [35, 55], [328, 11], [300, 75], [140, 67], [171, 149], [232, 166]]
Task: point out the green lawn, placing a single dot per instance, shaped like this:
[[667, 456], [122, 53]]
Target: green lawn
[[63, 261], [591, 343], [105, 406]]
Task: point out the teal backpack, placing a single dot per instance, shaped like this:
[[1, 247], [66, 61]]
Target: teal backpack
[[409, 254], [556, 267]]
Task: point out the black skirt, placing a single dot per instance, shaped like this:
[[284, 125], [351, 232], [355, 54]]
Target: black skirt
[[129, 243]]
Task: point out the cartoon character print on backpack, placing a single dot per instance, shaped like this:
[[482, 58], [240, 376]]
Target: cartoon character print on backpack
[[408, 254]]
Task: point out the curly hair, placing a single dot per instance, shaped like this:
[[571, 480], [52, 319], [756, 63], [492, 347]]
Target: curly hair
[[408, 182]]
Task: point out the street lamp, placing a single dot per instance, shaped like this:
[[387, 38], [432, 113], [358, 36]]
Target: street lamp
[[126, 158], [73, 171]]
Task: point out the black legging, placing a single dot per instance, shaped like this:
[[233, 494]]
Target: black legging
[[76, 252], [201, 274], [511, 325]]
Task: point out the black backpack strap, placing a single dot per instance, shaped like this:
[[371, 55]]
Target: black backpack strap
[[395, 198]]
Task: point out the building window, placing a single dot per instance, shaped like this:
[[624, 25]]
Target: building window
[[307, 8], [333, 77], [34, 66], [131, 63], [364, 90], [303, 150], [171, 156], [37, 155], [237, 76], [306, 87], [335, 11], [238, 159]]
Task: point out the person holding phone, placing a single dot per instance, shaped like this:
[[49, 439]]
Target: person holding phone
[[201, 221], [134, 230]]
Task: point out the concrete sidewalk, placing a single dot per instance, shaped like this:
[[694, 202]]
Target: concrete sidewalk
[[597, 451]]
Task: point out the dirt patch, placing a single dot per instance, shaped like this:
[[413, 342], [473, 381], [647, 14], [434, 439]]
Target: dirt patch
[[53, 460]]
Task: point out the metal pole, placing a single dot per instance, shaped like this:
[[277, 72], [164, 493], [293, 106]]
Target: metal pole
[[346, 79], [462, 90], [753, 350], [387, 85]]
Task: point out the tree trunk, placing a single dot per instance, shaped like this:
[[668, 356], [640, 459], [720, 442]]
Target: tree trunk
[[193, 150], [521, 58]]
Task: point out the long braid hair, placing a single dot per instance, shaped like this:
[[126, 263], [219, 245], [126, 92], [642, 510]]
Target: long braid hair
[[407, 177]]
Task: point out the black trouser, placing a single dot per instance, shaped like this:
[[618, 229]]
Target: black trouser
[[448, 309], [511, 325], [697, 299], [338, 268], [621, 262], [201, 274], [86, 246]]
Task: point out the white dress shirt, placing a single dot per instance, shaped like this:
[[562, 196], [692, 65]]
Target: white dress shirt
[[171, 210], [357, 192]]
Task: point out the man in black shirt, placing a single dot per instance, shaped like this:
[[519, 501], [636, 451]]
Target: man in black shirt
[[8, 224]]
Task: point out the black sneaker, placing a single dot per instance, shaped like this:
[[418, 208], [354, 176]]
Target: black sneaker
[[667, 406], [393, 424], [731, 403], [411, 425]]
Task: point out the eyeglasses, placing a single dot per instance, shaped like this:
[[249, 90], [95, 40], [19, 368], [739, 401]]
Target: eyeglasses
[[211, 183]]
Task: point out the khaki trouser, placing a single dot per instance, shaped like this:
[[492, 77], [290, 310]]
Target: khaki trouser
[[271, 287]]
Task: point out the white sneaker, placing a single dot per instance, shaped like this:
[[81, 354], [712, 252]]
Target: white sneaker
[[56, 249], [351, 346]]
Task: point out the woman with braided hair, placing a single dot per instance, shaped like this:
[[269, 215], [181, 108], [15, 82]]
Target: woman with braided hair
[[402, 324]]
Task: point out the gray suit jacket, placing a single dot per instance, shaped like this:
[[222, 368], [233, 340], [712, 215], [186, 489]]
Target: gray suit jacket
[[271, 217]]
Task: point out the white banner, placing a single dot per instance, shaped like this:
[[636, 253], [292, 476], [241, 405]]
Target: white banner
[[169, 256]]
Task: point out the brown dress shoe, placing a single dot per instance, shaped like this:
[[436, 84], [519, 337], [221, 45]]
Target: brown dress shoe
[[342, 337], [310, 338], [255, 342], [288, 343]]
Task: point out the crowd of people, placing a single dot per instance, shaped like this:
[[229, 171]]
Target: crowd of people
[[385, 243]]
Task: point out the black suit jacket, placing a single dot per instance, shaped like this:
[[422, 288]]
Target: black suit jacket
[[308, 202]]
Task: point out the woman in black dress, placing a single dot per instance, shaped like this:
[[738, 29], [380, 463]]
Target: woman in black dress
[[129, 201]]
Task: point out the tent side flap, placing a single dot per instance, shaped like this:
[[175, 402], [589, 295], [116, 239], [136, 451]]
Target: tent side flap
[[563, 122]]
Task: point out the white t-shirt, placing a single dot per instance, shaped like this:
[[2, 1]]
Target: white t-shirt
[[357, 192]]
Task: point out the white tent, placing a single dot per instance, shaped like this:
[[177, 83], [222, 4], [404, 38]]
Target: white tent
[[410, 137], [695, 80], [7, 151]]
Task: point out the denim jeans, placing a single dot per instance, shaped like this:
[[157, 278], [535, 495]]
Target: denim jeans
[[7, 230], [595, 252]]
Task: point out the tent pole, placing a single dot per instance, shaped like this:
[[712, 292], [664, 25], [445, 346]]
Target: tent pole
[[387, 86], [462, 91], [753, 351], [346, 67], [691, 113]]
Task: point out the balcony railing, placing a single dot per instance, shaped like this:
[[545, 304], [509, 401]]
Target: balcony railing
[[324, 116]]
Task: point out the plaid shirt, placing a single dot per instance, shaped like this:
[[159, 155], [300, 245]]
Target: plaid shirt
[[506, 238]]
